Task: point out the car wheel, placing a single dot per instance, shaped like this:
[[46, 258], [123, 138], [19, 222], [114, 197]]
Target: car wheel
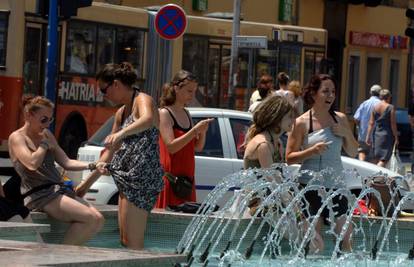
[[114, 199]]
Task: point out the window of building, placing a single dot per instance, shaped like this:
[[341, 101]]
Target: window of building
[[4, 23], [353, 84], [393, 82], [113, 44], [213, 146], [374, 65]]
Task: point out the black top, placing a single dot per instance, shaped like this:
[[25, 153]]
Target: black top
[[331, 112], [176, 125]]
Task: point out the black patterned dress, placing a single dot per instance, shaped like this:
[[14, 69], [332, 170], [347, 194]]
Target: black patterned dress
[[136, 167]]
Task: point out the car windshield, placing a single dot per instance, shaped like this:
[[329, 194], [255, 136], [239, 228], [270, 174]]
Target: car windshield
[[101, 133]]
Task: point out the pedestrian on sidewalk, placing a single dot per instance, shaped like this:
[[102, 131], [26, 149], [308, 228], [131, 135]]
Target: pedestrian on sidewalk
[[362, 116], [382, 131], [264, 87]]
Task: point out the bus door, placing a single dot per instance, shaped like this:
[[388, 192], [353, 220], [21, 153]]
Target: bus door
[[218, 76], [35, 57], [33, 65], [313, 63], [252, 64]]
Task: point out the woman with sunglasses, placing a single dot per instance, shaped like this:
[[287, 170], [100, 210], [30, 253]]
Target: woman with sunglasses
[[33, 150], [133, 151], [179, 137]]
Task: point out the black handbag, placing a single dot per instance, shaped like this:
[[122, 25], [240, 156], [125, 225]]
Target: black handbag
[[181, 185]]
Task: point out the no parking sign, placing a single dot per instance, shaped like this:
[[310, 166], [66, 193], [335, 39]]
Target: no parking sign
[[170, 22]]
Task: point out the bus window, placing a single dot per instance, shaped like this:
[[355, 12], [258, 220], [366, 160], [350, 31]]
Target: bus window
[[4, 18], [106, 46], [195, 57], [130, 47], [290, 60], [31, 65], [80, 48]]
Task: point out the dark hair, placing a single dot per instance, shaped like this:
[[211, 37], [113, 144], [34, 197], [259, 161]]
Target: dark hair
[[168, 93], [313, 86], [33, 103], [123, 72], [282, 78]]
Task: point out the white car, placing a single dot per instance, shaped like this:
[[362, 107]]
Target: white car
[[221, 155]]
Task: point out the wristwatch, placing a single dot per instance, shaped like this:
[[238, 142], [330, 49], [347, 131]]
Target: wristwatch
[[92, 166]]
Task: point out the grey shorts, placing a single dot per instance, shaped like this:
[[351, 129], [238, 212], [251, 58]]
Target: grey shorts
[[363, 147]]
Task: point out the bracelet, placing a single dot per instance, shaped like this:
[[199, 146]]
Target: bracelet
[[44, 145], [92, 166]]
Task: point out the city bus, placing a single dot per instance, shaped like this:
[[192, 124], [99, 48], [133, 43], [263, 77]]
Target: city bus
[[104, 33]]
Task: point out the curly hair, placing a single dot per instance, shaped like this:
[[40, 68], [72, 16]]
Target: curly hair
[[123, 72], [269, 115], [33, 103], [313, 86], [168, 93]]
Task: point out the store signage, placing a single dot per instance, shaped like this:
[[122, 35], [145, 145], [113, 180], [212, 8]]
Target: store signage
[[200, 5], [170, 22], [251, 41], [285, 10], [378, 40]]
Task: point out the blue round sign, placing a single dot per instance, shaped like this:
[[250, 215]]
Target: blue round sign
[[170, 22]]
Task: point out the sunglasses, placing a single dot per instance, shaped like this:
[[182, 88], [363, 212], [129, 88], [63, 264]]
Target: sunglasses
[[105, 89], [46, 119], [190, 77]]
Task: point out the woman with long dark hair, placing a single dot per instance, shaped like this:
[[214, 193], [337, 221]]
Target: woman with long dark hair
[[316, 141]]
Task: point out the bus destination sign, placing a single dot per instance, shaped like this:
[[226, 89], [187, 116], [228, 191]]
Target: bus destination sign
[[244, 41]]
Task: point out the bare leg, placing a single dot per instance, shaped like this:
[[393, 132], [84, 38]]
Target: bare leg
[[133, 222], [316, 244], [84, 221], [346, 242], [121, 208]]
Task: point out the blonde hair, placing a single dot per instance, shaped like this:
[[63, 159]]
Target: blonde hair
[[294, 87], [34, 103], [268, 116]]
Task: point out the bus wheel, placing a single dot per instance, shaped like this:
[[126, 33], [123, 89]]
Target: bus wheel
[[72, 135]]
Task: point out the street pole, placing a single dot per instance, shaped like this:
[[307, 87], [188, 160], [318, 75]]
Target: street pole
[[234, 54], [52, 30]]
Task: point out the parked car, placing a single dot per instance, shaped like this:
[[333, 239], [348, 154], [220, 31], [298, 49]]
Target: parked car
[[405, 144], [221, 155]]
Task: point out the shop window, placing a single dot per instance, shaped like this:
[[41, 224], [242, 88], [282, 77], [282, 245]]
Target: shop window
[[195, 54], [393, 81], [80, 48], [32, 61], [353, 84], [374, 65], [4, 22], [313, 61]]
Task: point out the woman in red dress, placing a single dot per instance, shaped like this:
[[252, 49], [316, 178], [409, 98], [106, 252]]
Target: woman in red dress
[[179, 139]]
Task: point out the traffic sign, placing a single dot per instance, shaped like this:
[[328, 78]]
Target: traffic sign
[[170, 22], [251, 41]]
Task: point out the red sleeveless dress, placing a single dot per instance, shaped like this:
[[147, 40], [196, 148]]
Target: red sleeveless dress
[[181, 163]]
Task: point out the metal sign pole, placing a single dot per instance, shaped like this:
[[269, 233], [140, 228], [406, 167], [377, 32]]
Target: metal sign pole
[[234, 54], [50, 81]]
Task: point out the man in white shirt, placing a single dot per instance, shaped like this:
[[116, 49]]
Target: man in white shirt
[[362, 116]]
